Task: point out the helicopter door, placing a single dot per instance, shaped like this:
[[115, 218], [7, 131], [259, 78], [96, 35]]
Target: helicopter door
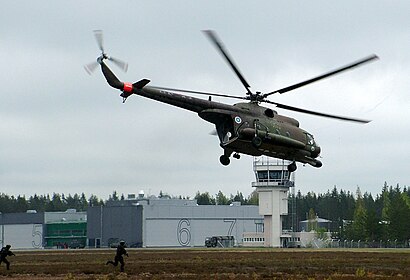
[[225, 130]]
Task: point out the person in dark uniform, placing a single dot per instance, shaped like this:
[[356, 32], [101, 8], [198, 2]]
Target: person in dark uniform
[[5, 251], [119, 256]]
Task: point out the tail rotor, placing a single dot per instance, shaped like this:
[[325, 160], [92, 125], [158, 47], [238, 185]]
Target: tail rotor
[[90, 67]]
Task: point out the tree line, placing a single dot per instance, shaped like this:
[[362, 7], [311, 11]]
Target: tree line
[[221, 199], [62, 202], [47, 203], [357, 216], [353, 216]]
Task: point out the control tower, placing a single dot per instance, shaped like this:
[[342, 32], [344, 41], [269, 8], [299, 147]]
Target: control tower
[[272, 184]]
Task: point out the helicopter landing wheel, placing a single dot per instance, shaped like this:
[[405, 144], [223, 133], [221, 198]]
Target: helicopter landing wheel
[[256, 141], [236, 155], [292, 167], [224, 160]]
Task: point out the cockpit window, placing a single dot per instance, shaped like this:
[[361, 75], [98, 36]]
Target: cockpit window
[[310, 140]]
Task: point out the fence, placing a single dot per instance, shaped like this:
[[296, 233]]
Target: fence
[[368, 244]]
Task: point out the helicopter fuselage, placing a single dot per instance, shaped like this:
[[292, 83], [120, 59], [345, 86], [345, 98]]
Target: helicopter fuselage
[[242, 128]]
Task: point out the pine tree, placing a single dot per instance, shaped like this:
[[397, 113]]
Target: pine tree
[[398, 217], [253, 198], [357, 230], [204, 198], [238, 198], [221, 199]]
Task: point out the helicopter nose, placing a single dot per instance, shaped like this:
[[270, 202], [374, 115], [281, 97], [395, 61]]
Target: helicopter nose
[[316, 152]]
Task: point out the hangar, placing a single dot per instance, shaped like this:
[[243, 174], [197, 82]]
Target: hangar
[[22, 230], [154, 222]]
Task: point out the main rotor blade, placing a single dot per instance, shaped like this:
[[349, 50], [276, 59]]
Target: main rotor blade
[[99, 37], [200, 92], [219, 45], [300, 110], [336, 71]]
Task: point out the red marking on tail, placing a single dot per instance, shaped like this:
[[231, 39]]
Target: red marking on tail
[[127, 87]]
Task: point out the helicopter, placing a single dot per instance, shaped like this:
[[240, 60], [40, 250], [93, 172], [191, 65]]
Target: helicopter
[[242, 128]]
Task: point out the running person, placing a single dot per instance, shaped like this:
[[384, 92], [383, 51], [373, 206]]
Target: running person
[[5, 251], [119, 256]]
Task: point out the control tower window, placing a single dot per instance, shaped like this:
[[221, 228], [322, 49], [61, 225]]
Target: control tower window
[[273, 175], [263, 176]]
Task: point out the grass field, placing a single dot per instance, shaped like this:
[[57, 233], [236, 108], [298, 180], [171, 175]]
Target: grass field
[[238, 263]]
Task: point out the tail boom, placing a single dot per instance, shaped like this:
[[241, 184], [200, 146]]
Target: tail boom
[[126, 88]]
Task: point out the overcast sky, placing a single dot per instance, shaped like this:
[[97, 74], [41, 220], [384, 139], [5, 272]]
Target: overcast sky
[[67, 132]]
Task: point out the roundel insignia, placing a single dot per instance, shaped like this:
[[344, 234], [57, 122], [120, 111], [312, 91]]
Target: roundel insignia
[[238, 119]]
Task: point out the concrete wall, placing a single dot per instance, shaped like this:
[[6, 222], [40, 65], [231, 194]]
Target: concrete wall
[[169, 223], [273, 204], [188, 226]]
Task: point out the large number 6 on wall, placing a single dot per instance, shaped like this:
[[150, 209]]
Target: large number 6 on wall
[[184, 232]]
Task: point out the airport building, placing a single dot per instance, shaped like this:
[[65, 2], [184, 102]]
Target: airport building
[[32, 230], [65, 229], [141, 222], [158, 222], [154, 222], [162, 222]]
